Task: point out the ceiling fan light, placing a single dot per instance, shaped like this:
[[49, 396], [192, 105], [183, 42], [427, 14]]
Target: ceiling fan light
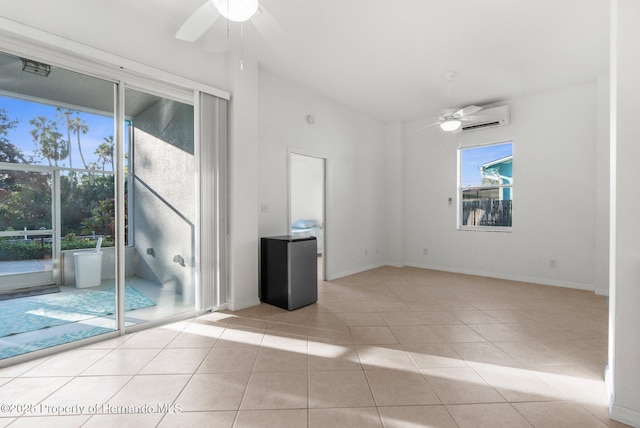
[[450, 125], [236, 10]]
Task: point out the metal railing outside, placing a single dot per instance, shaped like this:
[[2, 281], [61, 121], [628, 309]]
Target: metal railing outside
[[487, 212]]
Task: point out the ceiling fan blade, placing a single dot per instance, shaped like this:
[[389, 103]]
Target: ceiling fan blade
[[272, 31], [466, 111], [198, 23]]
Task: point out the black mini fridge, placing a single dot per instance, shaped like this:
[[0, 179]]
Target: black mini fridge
[[289, 271]]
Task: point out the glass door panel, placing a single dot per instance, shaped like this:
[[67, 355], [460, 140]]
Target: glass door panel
[[161, 206], [56, 194]]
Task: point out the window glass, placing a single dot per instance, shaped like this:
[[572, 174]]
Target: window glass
[[56, 206], [486, 186]]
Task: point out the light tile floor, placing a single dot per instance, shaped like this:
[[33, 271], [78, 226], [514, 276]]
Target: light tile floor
[[387, 348]]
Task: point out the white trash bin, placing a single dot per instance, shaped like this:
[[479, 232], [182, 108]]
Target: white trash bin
[[88, 268]]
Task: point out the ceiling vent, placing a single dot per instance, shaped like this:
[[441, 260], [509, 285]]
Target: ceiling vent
[[488, 118]]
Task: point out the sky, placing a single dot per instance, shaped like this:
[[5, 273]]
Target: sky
[[472, 158], [100, 127]]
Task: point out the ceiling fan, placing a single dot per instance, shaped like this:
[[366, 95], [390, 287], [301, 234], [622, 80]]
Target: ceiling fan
[[239, 11], [451, 120]]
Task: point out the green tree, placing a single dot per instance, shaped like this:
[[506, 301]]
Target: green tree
[[25, 197], [9, 152], [77, 206], [50, 144], [27, 203], [105, 151]]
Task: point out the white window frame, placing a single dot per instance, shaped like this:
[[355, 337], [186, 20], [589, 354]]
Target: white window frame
[[461, 189]]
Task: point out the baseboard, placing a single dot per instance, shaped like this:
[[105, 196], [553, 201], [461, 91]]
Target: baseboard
[[233, 306], [221, 307], [602, 291], [519, 278], [395, 264], [619, 413], [608, 385], [337, 275], [626, 416]]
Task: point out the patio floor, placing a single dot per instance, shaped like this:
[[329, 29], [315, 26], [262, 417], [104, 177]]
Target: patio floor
[[168, 303], [24, 266]]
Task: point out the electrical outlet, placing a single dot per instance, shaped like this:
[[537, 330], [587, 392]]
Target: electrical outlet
[[366, 252], [264, 208], [425, 251], [553, 264]]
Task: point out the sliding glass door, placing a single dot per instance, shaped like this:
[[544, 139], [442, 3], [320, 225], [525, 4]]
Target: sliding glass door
[[100, 205], [160, 207]]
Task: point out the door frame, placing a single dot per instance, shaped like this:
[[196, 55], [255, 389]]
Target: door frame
[[326, 208]]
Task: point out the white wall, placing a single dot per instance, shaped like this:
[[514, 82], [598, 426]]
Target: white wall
[[602, 187], [554, 214], [624, 326], [353, 145], [242, 285]]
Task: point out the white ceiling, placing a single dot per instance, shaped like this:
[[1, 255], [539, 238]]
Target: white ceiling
[[384, 58]]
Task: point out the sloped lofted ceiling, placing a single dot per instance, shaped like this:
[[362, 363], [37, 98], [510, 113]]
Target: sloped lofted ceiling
[[383, 58]]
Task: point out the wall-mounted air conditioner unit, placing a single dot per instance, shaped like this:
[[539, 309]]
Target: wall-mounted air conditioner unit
[[488, 118]]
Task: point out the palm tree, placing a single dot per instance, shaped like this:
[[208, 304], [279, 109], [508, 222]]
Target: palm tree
[[51, 145], [79, 126], [64, 116], [105, 151]]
